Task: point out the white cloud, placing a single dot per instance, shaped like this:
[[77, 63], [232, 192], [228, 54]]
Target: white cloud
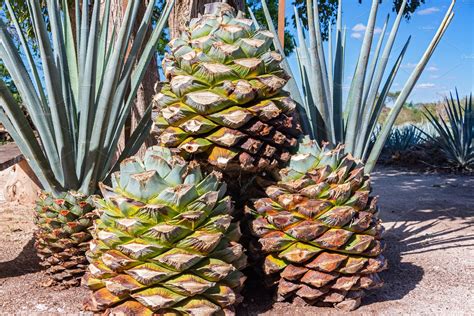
[[432, 69], [359, 27], [408, 65], [425, 85], [428, 11]]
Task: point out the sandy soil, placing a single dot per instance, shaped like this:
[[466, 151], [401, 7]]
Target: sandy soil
[[430, 246]]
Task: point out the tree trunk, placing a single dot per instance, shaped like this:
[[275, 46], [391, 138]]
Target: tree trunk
[[146, 90], [184, 10]]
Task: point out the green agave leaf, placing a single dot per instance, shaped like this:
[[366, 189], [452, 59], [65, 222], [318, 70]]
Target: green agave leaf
[[84, 90], [17, 125], [408, 87], [354, 102], [292, 86], [17, 69], [320, 99], [56, 99]]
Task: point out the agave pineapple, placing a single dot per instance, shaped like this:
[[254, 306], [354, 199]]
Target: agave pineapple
[[62, 237], [165, 241], [318, 229], [223, 102]]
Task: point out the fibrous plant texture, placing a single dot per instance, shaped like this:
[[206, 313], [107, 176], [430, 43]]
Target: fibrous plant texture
[[165, 242], [318, 229], [62, 237], [224, 101]]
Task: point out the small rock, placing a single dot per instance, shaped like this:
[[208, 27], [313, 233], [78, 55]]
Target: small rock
[[41, 307], [47, 283]]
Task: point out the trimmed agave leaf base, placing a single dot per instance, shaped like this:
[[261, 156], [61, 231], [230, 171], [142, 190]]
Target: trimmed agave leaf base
[[223, 102], [318, 229], [62, 236]]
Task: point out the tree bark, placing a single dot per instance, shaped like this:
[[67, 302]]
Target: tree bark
[[146, 90], [184, 10]]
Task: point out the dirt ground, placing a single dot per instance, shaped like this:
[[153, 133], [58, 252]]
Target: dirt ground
[[430, 247]]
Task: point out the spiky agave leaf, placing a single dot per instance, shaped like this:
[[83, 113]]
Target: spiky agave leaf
[[224, 103], [403, 137], [165, 241], [318, 229], [90, 83], [455, 133], [325, 116]]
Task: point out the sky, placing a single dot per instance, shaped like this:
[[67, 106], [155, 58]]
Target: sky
[[450, 67], [452, 64]]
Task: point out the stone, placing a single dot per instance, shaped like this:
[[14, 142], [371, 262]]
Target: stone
[[21, 184]]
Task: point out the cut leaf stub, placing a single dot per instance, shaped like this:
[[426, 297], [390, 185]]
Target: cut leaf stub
[[165, 242], [224, 102], [319, 230]]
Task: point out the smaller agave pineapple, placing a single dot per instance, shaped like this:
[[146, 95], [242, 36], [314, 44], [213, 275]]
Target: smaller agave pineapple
[[319, 231], [62, 237], [165, 242]]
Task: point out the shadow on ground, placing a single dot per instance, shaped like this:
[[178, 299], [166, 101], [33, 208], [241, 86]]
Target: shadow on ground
[[26, 262], [408, 196], [422, 214]]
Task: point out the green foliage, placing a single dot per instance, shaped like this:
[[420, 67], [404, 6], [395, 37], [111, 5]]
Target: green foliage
[[20, 7], [164, 39], [402, 138], [455, 132], [91, 77], [407, 115], [409, 9], [324, 114], [7, 79], [327, 15]]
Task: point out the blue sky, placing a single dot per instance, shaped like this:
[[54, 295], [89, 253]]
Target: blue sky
[[452, 64]]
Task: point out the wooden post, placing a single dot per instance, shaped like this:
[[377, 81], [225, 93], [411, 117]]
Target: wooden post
[[281, 22]]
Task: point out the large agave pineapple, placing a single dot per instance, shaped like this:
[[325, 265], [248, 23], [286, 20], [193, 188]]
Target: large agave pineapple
[[62, 236], [223, 102], [165, 241], [319, 231]]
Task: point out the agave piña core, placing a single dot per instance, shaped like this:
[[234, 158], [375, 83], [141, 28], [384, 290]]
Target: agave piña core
[[62, 236], [319, 231], [165, 241], [224, 103]]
